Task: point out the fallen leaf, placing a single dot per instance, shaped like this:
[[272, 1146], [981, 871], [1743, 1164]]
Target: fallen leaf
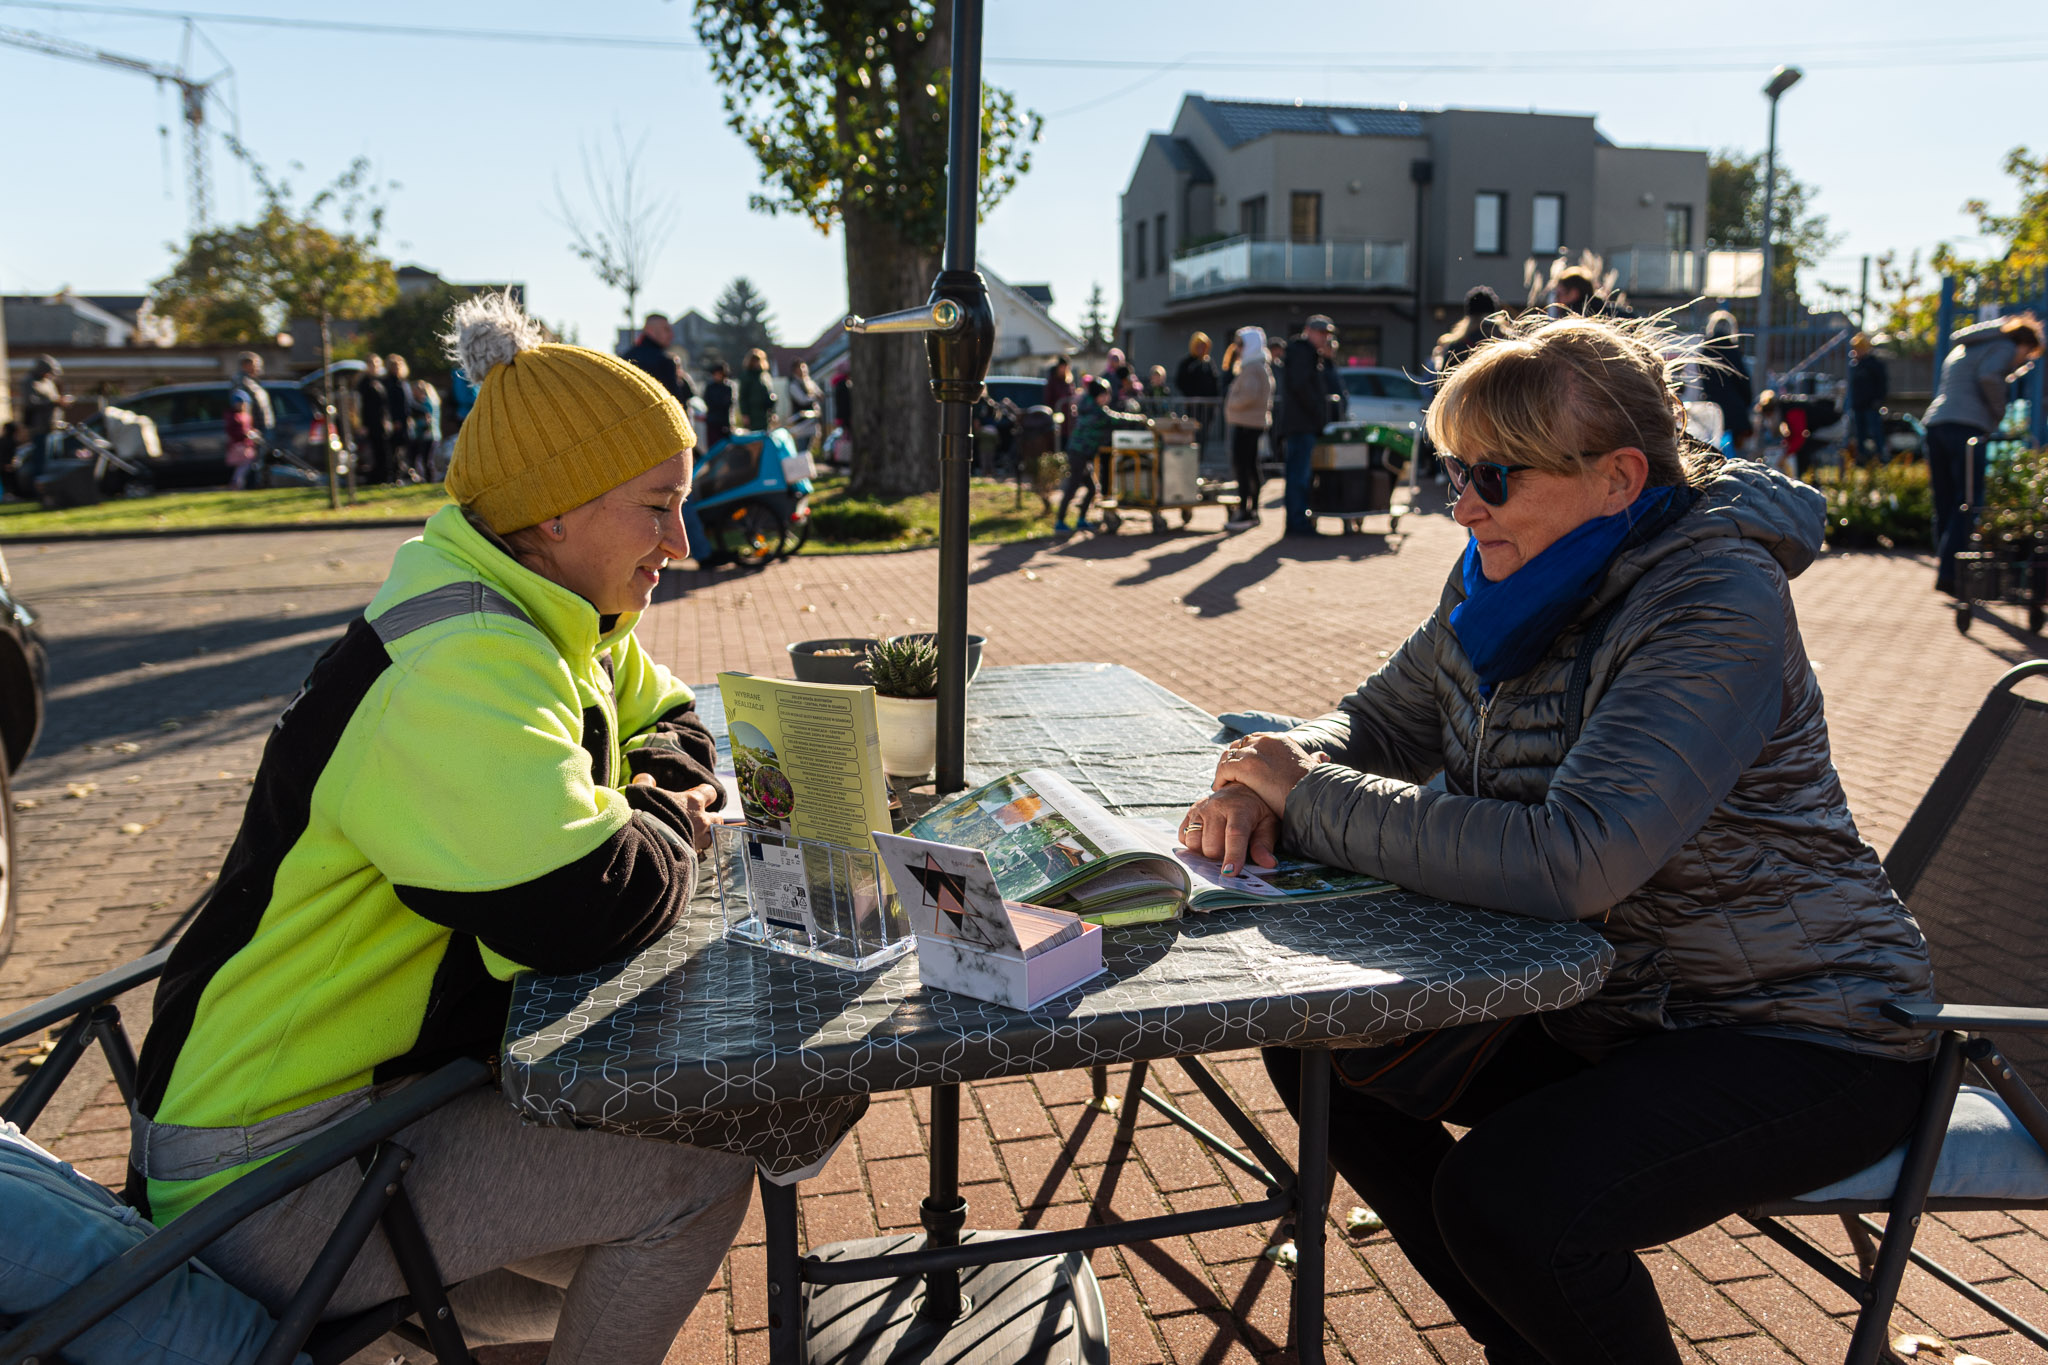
[[131, 828], [1362, 1221], [127, 746], [78, 791], [809, 608], [1283, 1255], [131, 781], [1030, 576], [25, 803], [225, 773], [170, 725], [1908, 1345], [1971, 1360]]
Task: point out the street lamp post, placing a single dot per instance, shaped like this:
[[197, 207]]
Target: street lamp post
[[1783, 79]]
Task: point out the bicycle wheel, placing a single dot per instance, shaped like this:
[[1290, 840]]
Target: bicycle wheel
[[752, 533]]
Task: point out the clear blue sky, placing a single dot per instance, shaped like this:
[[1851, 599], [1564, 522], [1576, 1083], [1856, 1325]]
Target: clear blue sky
[[1897, 123]]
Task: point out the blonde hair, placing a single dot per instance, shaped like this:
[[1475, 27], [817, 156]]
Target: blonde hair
[[1198, 339], [1551, 392], [1231, 354]]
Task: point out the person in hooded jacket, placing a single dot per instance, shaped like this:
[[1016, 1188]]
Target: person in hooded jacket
[[1725, 381], [1248, 412], [1735, 1053], [1969, 404]]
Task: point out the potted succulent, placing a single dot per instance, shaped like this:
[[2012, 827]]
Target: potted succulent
[[905, 672]]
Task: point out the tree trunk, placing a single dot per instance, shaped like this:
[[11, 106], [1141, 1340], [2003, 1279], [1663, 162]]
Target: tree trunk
[[895, 418]]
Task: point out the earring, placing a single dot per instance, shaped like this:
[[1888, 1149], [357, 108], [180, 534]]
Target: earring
[[558, 528]]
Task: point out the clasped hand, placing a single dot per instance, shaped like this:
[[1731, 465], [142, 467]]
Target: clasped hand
[[697, 802], [1239, 820]]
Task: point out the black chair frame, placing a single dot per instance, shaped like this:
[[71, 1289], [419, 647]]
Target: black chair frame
[[1883, 1252], [87, 1014]]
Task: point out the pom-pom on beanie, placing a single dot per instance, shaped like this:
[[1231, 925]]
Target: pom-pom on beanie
[[554, 426]]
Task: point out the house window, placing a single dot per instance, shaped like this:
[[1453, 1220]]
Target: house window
[[1677, 227], [1251, 216], [1159, 252], [1489, 211], [1305, 216], [1138, 251], [1546, 224]]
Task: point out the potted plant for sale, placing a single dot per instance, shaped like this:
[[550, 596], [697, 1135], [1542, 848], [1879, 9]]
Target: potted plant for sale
[[905, 672]]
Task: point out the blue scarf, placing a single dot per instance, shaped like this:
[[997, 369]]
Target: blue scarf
[[1505, 627]]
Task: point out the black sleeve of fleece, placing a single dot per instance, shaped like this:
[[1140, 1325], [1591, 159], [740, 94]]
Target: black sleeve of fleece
[[677, 752], [608, 904]]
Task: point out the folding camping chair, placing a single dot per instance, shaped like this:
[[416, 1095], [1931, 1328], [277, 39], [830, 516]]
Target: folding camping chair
[[1972, 864], [380, 1200]]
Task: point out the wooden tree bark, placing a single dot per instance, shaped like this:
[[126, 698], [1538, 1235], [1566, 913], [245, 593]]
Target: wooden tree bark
[[895, 419]]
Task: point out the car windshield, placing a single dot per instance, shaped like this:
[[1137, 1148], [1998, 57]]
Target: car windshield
[[1381, 384]]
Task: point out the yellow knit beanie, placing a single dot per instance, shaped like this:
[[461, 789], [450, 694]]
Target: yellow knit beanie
[[554, 426]]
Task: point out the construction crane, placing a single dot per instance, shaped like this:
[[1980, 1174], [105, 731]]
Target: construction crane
[[193, 97]]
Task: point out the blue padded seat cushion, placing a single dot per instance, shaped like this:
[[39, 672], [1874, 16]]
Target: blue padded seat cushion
[[1987, 1155], [61, 1227]]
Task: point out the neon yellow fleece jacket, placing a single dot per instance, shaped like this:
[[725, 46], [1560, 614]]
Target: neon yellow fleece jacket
[[444, 802]]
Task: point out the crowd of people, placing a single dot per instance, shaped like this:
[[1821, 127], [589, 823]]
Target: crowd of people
[[748, 404], [397, 423]]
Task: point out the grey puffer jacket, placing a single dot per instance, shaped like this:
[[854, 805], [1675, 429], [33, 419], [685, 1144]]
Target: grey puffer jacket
[[1974, 376], [1697, 821]]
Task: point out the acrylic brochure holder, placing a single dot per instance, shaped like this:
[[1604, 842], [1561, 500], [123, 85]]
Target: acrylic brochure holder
[[808, 898]]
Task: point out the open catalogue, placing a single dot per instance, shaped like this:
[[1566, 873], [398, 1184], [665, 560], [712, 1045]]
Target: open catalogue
[[1049, 843]]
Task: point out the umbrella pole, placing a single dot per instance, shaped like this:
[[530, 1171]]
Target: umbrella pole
[[959, 360]]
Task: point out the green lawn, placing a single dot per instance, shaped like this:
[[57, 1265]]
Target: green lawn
[[842, 524], [221, 507]]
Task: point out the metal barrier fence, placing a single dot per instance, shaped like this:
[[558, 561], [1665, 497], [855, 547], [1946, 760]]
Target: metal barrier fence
[[1207, 413]]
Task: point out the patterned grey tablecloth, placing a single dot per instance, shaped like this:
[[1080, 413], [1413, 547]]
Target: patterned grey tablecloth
[[691, 1038]]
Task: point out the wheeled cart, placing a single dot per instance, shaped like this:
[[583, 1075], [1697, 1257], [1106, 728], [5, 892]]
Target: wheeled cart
[[2014, 571], [1137, 472], [1353, 472]]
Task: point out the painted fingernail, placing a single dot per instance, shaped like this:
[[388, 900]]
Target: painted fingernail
[[1230, 869]]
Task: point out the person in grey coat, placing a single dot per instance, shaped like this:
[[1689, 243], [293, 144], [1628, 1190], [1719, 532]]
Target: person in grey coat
[[1969, 404], [1690, 812]]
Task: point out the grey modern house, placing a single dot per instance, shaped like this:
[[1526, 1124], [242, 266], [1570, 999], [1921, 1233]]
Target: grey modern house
[[1257, 213]]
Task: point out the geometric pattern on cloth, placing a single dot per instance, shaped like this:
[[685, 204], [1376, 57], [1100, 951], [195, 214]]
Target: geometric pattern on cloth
[[696, 1024]]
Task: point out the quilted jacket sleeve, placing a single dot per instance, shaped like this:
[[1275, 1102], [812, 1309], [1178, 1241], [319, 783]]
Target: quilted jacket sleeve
[[1389, 726], [1690, 707]]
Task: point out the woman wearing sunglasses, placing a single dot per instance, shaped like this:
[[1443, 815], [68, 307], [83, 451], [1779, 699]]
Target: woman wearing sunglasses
[[1689, 810]]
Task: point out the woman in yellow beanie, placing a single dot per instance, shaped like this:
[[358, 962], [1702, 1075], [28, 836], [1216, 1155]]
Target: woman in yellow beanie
[[486, 772]]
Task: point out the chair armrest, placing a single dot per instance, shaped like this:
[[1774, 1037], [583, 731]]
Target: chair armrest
[[1975, 1018], [43, 1333], [83, 996]]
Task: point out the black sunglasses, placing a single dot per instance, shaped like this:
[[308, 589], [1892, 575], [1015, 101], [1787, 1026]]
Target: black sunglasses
[[1488, 476]]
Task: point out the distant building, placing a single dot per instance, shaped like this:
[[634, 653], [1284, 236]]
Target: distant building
[[1027, 335], [66, 319], [1257, 213], [413, 280]]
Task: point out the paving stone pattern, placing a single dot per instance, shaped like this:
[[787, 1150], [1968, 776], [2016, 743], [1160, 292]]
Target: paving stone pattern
[[171, 659]]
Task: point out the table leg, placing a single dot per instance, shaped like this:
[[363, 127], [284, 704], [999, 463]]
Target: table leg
[[1312, 1164], [944, 1212], [1099, 1098], [785, 1277]]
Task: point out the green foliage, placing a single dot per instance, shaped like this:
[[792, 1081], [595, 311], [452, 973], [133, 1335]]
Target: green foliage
[[847, 521], [1095, 323], [238, 285], [412, 328], [2016, 498], [1735, 215], [844, 104], [1877, 506], [743, 320], [2023, 252], [904, 667]]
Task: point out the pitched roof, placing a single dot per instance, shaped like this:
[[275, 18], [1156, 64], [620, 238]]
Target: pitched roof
[[1240, 121], [1040, 292], [1182, 156]]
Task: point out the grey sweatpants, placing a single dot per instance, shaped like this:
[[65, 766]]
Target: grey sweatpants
[[600, 1241]]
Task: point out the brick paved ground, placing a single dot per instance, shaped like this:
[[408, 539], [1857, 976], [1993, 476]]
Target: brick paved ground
[[171, 659]]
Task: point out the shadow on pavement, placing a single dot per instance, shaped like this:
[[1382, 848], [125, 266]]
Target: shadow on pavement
[[1218, 595]]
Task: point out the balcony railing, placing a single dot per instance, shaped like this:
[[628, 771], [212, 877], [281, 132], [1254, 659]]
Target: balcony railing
[[1258, 263], [1730, 274]]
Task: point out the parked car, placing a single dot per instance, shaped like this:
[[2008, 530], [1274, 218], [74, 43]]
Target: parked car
[[191, 424], [24, 674], [1380, 394]]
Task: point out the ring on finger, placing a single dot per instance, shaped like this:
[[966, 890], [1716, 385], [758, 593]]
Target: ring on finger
[[1193, 826]]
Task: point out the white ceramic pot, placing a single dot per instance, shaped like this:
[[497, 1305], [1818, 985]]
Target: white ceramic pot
[[910, 734]]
